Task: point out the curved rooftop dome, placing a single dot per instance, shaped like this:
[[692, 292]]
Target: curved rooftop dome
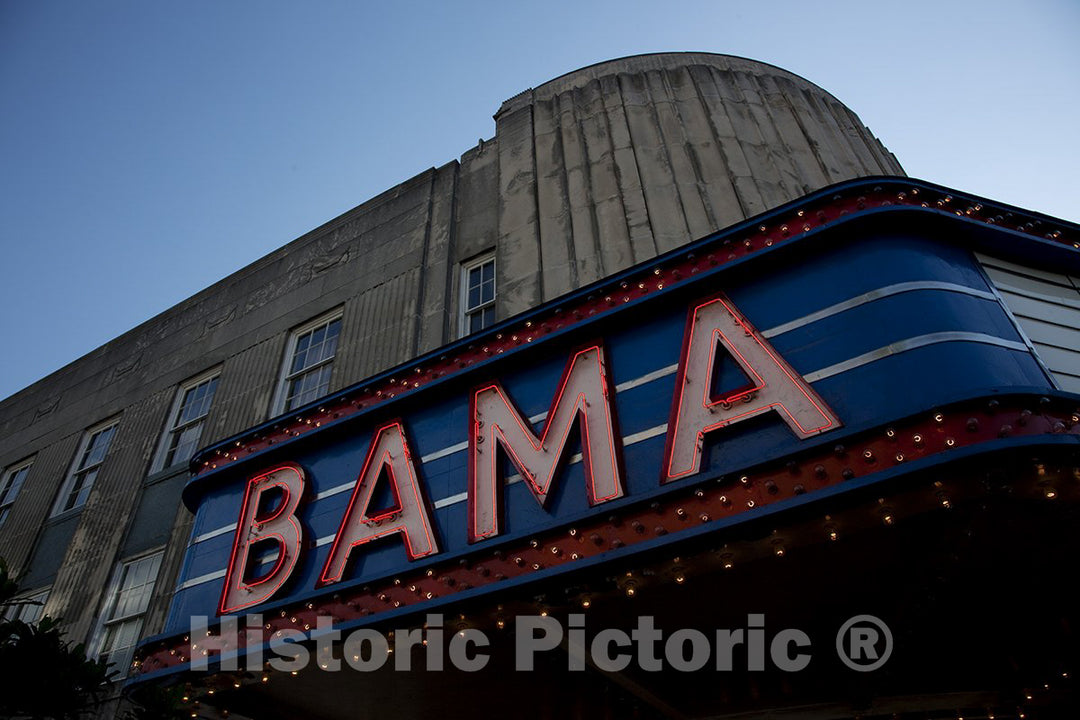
[[609, 165]]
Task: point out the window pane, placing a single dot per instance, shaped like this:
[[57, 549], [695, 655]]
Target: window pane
[[122, 627], [183, 444], [120, 645], [12, 484], [98, 446], [489, 271], [85, 484], [196, 402], [332, 333], [487, 291], [474, 297]]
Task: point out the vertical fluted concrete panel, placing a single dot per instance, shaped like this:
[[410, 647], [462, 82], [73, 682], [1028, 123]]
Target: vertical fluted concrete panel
[[77, 591], [553, 200], [583, 239], [638, 227], [613, 239], [433, 327], [34, 502], [476, 221], [809, 172], [678, 152], [518, 250], [381, 325], [666, 218], [245, 388]]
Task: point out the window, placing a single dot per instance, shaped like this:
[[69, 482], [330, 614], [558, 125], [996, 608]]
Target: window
[[122, 616], [305, 375], [1046, 306], [76, 488], [186, 419], [9, 488], [27, 609], [477, 294]]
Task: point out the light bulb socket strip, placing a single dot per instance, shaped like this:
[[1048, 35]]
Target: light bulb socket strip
[[969, 430]]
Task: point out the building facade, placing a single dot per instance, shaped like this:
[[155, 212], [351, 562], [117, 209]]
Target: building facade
[[615, 196]]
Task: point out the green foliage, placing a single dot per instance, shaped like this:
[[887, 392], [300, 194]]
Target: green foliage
[[41, 674]]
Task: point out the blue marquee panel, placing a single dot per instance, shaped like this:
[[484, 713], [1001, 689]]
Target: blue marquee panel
[[642, 347]]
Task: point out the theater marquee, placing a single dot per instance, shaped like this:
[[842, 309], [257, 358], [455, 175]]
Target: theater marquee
[[819, 348]]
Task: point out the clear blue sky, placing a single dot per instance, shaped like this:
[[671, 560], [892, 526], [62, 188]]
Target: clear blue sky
[[148, 149]]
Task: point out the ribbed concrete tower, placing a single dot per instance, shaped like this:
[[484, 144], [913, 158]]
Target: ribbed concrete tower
[[609, 165]]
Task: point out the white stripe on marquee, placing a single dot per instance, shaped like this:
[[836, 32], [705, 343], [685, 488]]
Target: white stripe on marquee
[[835, 369]]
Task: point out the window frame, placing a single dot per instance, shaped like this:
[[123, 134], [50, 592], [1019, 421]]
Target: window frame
[[111, 599], [464, 311], [76, 469], [278, 407], [172, 422], [8, 483], [35, 599]]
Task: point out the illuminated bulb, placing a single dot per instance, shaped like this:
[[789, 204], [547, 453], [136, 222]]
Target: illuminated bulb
[[294, 672], [1050, 493], [949, 442], [586, 602], [887, 519], [631, 589], [899, 457], [500, 624], [680, 579], [266, 678], [779, 551]]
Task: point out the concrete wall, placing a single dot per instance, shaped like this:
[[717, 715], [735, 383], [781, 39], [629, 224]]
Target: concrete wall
[[588, 174]]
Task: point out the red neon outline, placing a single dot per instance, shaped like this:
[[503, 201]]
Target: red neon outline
[[283, 549], [578, 411], [688, 338], [385, 460]]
